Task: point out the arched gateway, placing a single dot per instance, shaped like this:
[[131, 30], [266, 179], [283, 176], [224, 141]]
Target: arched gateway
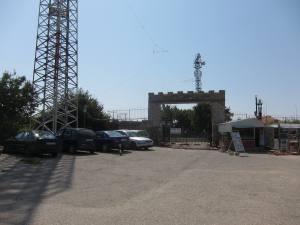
[[216, 100]]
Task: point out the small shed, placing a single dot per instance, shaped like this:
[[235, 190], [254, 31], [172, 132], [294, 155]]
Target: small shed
[[283, 136], [251, 131]]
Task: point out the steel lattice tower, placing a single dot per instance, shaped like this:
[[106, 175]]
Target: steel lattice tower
[[198, 63], [55, 76]]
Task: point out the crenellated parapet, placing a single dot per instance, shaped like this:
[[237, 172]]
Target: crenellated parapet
[[181, 97]]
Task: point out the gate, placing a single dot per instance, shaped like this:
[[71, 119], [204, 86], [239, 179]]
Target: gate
[[183, 136]]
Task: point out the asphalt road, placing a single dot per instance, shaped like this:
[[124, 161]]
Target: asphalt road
[[163, 186]]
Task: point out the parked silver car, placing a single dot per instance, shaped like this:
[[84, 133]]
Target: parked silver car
[[138, 139]]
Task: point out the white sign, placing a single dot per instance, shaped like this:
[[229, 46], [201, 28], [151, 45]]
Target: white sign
[[175, 131], [237, 142]]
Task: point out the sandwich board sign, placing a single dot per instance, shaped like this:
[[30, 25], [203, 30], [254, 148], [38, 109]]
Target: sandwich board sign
[[237, 142]]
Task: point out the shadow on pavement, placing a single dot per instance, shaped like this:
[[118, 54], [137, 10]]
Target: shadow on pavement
[[257, 152], [25, 182], [80, 153], [114, 152], [144, 150]]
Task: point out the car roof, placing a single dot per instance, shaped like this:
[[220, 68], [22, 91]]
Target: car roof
[[100, 131], [78, 129], [130, 130], [42, 130], [22, 131]]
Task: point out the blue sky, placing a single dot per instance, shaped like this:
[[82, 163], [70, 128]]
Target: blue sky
[[250, 47]]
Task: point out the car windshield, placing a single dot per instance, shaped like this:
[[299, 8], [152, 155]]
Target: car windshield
[[114, 134], [122, 133], [41, 134], [138, 133]]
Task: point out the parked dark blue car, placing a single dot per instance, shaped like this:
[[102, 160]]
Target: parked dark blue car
[[73, 139], [107, 140], [33, 142]]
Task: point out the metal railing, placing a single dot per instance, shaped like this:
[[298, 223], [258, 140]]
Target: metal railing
[[135, 114]]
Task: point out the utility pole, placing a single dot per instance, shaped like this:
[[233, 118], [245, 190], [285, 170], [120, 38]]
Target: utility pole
[[55, 75]]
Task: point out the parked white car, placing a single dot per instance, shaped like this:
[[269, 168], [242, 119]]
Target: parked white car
[[138, 139]]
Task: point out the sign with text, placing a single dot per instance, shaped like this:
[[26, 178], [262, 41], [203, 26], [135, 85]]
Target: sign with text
[[175, 130], [237, 142]]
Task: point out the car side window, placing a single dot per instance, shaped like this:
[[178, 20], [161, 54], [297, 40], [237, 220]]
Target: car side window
[[123, 133], [26, 136], [19, 136], [29, 136], [101, 135], [73, 133], [67, 133], [59, 133]]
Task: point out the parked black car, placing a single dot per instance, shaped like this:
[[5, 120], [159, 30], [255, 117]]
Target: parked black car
[[33, 142], [73, 139], [107, 140]]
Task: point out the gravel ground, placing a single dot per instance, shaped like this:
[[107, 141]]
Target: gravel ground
[[162, 186]]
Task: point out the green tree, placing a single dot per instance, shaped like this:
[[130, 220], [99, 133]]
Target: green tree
[[201, 120], [16, 104], [196, 120], [184, 118], [168, 114], [228, 114], [90, 112]]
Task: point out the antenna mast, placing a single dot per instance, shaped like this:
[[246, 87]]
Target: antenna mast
[[198, 63], [55, 75], [258, 107]]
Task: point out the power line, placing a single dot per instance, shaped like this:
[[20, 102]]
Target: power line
[[157, 49]]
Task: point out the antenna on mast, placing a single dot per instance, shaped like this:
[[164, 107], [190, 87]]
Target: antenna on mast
[[198, 63], [258, 107]]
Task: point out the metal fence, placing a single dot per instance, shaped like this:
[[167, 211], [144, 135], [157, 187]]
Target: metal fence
[[135, 114], [139, 114], [190, 140]]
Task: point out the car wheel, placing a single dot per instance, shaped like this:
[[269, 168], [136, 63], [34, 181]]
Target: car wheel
[[92, 151], [146, 148], [72, 150], [54, 155]]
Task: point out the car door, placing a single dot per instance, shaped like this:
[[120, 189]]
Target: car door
[[59, 138], [28, 141], [67, 138], [100, 138], [23, 142], [16, 144]]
